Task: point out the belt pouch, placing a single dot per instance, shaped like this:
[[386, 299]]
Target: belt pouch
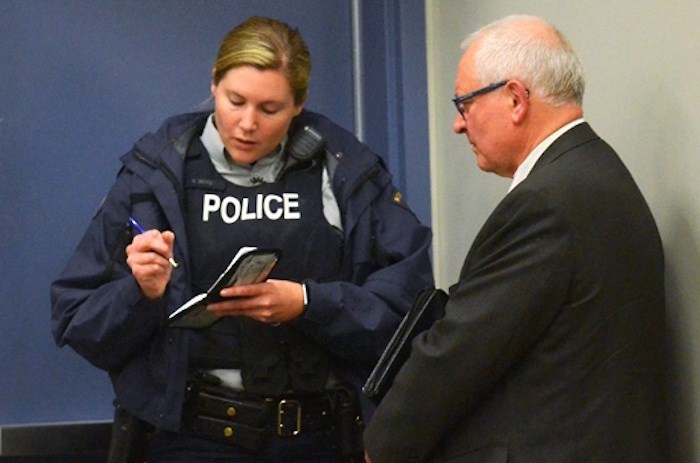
[[228, 432], [223, 415], [350, 426], [218, 402], [129, 440]]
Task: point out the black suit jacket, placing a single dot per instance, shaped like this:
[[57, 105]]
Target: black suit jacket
[[551, 349]]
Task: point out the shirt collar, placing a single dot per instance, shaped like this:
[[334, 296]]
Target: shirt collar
[[265, 170], [526, 166]]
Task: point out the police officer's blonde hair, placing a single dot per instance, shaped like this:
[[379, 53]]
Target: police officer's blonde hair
[[267, 43]]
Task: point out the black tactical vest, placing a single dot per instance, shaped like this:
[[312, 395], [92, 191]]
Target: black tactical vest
[[287, 215]]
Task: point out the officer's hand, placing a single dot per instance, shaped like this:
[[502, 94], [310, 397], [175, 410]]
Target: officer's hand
[[147, 256], [272, 301]]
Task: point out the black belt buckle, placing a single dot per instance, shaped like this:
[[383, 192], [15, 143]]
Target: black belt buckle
[[288, 417]]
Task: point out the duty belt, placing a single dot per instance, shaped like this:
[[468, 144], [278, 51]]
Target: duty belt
[[225, 415]]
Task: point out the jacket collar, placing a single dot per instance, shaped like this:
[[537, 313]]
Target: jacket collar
[[578, 135]]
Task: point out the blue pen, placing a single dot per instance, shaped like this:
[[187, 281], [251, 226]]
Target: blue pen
[[140, 229]]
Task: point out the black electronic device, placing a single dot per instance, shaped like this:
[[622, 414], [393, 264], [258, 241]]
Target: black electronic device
[[305, 144]]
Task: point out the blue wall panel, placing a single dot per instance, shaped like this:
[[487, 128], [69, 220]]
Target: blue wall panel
[[394, 102]]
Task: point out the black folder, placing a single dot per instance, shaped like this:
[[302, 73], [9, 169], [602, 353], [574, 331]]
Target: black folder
[[428, 307]]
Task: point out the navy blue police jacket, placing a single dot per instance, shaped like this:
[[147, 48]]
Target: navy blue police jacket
[[98, 309]]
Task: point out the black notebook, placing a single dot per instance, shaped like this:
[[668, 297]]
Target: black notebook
[[250, 265], [428, 307]]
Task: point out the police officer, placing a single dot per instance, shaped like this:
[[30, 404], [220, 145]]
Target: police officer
[[277, 376]]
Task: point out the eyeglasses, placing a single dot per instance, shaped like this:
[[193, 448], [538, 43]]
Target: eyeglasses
[[460, 101]]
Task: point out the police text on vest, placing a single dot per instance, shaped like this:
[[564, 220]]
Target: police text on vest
[[271, 206]]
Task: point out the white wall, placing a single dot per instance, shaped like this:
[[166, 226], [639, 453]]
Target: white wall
[[642, 62]]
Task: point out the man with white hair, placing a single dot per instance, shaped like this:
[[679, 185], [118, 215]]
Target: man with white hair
[[551, 349]]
